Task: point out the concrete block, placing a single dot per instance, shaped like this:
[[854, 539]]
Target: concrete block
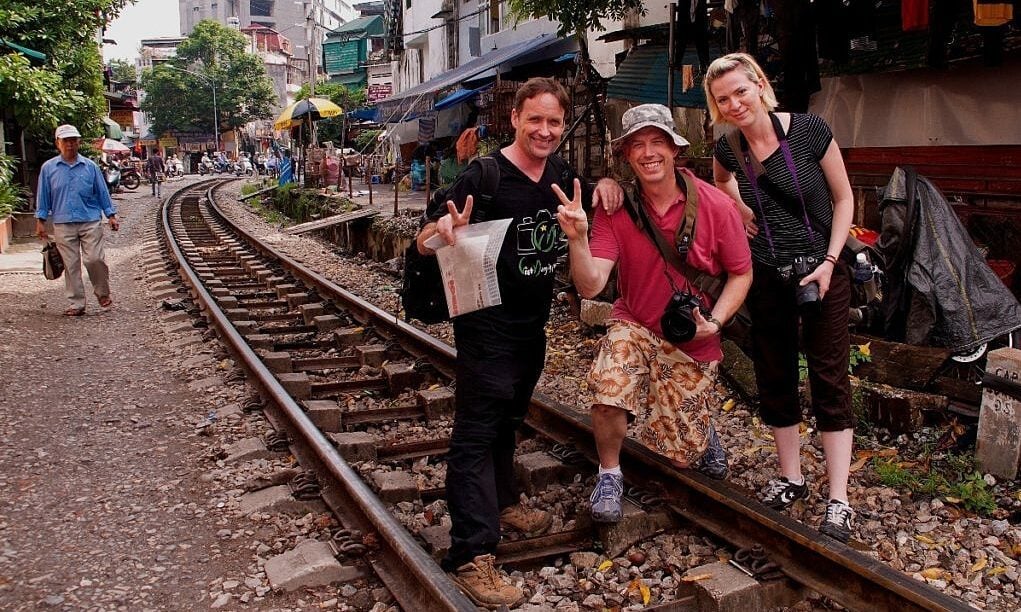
[[246, 328], [310, 311], [296, 299], [999, 421], [189, 340], [396, 486], [728, 589], [278, 499], [595, 313], [261, 341], [355, 445], [297, 384], [273, 280], [371, 354], [157, 278], [219, 292], [278, 363], [248, 449], [349, 336], [309, 564], [167, 295], [263, 275], [236, 314], [537, 471], [324, 413], [635, 526], [284, 289], [183, 327], [401, 376], [175, 316], [437, 403], [437, 540], [227, 302], [327, 322]]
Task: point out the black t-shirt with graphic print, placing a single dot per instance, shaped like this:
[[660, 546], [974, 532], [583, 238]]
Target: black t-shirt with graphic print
[[808, 137], [531, 248]]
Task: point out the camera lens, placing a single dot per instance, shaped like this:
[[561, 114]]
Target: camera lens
[[807, 296]]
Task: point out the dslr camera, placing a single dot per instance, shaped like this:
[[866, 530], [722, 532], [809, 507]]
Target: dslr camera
[[678, 322], [807, 296]]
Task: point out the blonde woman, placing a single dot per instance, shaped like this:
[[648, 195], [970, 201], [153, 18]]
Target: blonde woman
[[788, 178]]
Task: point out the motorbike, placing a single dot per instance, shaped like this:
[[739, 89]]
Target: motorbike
[[221, 166], [206, 167], [260, 165], [175, 168], [130, 178], [243, 167], [112, 175]]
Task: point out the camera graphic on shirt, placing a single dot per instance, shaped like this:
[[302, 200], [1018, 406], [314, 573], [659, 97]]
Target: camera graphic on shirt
[[539, 235]]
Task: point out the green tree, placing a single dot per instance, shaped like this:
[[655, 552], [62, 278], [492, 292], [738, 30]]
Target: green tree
[[341, 95], [68, 86], [122, 71], [179, 95]]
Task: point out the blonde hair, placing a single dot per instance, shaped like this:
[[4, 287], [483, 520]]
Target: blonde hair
[[752, 70]]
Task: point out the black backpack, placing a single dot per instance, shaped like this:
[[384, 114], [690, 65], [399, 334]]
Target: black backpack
[[422, 292]]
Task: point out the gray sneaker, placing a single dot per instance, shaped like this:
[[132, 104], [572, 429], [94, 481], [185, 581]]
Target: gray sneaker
[[713, 462], [605, 498], [837, 523]]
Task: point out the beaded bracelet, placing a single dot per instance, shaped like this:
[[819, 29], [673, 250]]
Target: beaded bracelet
[[830, 258]]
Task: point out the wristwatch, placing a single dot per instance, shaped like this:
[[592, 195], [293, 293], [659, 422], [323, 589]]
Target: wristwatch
[[715, 321]]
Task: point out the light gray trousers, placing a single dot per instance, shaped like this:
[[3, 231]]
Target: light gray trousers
[[82, 243]]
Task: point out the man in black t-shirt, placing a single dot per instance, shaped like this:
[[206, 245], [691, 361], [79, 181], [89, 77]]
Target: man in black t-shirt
[[501, 349]]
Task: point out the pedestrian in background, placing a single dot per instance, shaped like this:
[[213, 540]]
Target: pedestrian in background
[[501, 349], [656, 371], [788, 166], [155, 168], [72, 194]]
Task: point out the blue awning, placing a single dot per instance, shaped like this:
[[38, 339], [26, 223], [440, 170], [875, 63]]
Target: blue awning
[[420, 98], [364, 114], [459, 96], [642, 77]]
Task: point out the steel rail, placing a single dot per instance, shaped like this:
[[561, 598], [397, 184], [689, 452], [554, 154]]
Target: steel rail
[[827, 566], [831, 568], [414, 578]]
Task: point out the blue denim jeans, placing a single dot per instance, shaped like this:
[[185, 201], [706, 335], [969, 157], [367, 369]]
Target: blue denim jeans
[[495, 381]]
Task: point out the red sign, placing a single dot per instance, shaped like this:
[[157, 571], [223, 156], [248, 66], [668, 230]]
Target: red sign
[[378, 92]]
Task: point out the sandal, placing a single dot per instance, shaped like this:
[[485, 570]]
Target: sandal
[[74, 312], [105, 301]]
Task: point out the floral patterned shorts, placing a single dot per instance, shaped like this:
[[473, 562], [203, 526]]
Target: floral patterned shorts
[[665, 391]]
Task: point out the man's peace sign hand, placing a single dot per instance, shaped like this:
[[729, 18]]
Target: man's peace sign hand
[[445, 226], [571, 217]]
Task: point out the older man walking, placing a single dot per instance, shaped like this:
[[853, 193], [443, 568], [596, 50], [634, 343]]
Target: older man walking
[[73, 195]]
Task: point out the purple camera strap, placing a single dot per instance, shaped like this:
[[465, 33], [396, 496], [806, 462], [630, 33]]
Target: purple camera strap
[[753, 179]]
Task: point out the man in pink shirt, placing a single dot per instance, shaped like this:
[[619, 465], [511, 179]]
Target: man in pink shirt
[[661, 380]]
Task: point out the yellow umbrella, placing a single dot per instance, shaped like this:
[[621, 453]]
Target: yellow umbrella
[[312, 108]]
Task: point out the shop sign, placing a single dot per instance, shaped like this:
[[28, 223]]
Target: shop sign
[[168, 141], [378, 92]]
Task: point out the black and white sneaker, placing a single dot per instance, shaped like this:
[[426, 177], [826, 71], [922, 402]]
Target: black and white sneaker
[[837, 523], [780, 494]]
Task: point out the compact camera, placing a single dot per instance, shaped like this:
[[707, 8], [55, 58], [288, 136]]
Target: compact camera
[[807, 296], [678, 322]]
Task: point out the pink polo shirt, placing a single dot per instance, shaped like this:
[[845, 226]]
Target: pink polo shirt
[[720, 246]]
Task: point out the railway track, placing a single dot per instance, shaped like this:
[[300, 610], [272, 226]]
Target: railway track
[[333, 370]]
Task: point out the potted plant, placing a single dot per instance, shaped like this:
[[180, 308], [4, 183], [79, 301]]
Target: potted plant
[[11, 197]]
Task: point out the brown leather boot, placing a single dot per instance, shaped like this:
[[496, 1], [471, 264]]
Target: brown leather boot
[[526, 520], [485, 586]]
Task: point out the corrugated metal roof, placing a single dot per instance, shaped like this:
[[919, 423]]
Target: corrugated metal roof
[[642, 77], [371, 25], [420, 97]]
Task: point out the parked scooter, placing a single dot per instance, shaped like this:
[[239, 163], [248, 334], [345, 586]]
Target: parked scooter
[[112, 175], [130, 178], [243, 167], [175, 168]]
